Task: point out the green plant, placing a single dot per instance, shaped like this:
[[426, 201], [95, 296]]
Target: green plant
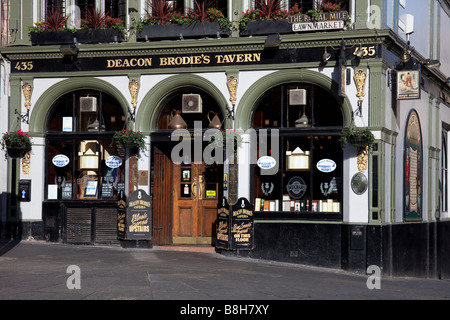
[[270, 10], [269, 7], [95, 19], [201, 10], [223, 138], [54, 21], [330, 7], [129, 139], [115, 23], [16, 140], [321, 7], [357, 137], [161, 11]]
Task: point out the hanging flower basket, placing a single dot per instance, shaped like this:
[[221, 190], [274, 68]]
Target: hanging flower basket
[[357, 138], [129, 139], [226, 137], [16, 144]]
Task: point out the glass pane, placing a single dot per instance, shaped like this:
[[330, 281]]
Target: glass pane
[[85, 6], [267, 187], [112, 171], [87, 160], [61, 117], [113, 117], [60, 181], [297, 182], [327, 173], [87, 109], [268, 113]]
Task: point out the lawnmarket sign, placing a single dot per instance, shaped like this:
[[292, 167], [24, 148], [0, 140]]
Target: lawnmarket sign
[[321, 21]]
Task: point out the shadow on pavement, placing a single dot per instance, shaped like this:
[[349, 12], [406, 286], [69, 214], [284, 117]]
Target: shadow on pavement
[[6, 245]]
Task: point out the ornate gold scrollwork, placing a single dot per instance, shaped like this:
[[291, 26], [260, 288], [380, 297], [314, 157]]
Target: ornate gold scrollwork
[[27, 89], [26, 163], [232, 83], [134, 88], [362, 158], [360, 80]]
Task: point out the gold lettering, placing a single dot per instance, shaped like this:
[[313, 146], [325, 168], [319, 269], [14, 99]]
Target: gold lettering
[[256, 57], [187, 60], [197, 60], [219, 58], [206, 59], [163, 61], [148, 62], [111, 64], [240, 58], [118, 63], [126, 63]]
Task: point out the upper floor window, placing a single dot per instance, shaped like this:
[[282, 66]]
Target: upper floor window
[[306, 5], [55, 5], [85, 6], [116, 8], [112, 8], [179, 5]]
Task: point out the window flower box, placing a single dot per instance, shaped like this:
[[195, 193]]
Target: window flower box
[[195, 30], [97, 28], [52, 37], [98, 36], [264, 27]]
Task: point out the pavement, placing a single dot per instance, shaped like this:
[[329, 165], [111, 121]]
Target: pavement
[[35, 270]]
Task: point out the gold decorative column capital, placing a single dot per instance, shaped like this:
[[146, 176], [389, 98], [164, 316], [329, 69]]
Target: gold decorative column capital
[[360, 80], [134, 89], [362, 158], [27, 90], [232, 83], [26, 163]]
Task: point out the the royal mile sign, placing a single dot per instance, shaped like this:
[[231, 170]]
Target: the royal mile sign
[[320, 21]]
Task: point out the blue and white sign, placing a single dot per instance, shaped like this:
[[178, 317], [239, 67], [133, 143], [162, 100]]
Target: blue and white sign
[[266, 162], [60, 160], [113, 162], [326, 165]]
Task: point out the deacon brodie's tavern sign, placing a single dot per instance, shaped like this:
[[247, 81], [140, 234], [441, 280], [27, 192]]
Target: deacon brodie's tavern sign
[[128, 61]]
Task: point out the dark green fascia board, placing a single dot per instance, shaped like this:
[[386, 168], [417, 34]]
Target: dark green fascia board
[[351, 37]]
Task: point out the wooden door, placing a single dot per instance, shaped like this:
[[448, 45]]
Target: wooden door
[[162, 198], [195, 197]]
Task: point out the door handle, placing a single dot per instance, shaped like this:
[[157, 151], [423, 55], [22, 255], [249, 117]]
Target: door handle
[[201, 186], [194, 188]]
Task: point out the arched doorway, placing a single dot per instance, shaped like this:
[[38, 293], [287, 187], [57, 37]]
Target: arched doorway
[[185, 188]]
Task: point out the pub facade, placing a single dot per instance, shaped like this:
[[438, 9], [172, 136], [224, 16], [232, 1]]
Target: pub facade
[[316, 136]]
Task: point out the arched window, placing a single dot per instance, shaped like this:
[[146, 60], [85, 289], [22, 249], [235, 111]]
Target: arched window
[[307, 179], [81, 163]]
